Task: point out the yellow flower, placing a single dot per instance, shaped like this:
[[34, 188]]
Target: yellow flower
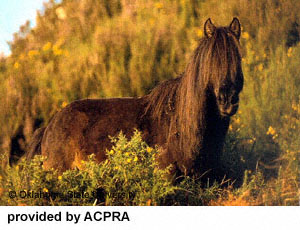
[[289, 53], [149, 150], [126, 154], [158, 5], [135, 159], [33, 53], [245, 35], [47, 46], [260, 67], [64, 104], [60, 12], [237, 120], [57, 51], [271, 131], [45, 190], [17, 65], [111, 151], [59, 178], [129, 160], [294, 107], [199, 32]]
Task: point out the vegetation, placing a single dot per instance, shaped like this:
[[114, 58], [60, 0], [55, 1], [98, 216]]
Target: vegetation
[[129, 176], [100, 48]]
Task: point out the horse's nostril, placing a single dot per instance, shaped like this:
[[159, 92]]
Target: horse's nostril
[[221, 100], [229, 110]]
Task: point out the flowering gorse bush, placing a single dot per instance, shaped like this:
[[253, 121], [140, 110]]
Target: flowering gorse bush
[[129, 176]]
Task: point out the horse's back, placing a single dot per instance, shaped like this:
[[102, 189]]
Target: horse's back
[[84, 127]]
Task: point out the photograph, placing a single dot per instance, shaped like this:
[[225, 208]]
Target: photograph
[[165, 103]]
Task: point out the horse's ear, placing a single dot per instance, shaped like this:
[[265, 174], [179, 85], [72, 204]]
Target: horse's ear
[[235, 27], [209, 28]]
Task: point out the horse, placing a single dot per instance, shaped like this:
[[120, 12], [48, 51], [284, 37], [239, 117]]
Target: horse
[[187, 117]]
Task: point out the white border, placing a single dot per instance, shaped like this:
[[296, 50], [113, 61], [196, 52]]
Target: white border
[[153, 218]]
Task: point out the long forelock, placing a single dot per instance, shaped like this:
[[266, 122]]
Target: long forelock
[[215, 59], [225, 56]]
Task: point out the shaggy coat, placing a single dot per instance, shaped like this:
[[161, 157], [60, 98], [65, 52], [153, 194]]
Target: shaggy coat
[[187, 117]]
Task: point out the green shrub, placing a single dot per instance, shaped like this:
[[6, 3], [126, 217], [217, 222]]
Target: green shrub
[[133, 177], [129, 176]]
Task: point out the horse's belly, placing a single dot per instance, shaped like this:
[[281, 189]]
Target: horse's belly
[[83, 127]]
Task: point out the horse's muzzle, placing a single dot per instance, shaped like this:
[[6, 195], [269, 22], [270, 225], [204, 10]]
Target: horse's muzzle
[[229, 111]]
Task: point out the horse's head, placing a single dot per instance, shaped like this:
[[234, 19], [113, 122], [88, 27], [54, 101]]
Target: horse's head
[[226, 76]]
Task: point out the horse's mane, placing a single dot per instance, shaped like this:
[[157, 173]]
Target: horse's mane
[[161, 100], [181, 102]]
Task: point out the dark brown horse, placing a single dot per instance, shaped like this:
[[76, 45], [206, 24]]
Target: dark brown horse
[[187, 117]]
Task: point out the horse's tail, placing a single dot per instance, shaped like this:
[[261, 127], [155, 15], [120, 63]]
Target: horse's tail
[[35, 145]]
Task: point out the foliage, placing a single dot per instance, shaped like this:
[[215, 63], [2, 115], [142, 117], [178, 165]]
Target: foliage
[[129, 176], [132, 176]]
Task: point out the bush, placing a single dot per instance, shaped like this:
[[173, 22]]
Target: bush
[[129, 176], [132, 176]]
